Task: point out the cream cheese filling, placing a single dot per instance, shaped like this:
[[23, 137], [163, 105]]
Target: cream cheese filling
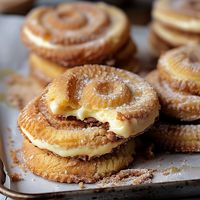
[[64, 152], [38, 40], [125, 128]]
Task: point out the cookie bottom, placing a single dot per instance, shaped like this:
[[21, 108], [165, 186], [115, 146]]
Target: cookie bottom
[[45, 71], [158, 45], [70, 170], [183, 138]]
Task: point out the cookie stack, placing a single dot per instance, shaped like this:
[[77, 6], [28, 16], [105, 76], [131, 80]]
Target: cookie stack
[[175, 23], [82, 127], [73, 34], [177, 82]]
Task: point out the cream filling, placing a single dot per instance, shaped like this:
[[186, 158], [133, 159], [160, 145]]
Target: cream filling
[[63, 152], [38, 40], [125, 128], [173, 37]]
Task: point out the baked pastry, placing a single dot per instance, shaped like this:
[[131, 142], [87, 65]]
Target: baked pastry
[[177, 83], [175, 23], [158, 46], [181, 68], [73, 34], [86, 113], [45, 70], [95, 105], [70, 170], [176, 137], [181, 14], [177, 104]]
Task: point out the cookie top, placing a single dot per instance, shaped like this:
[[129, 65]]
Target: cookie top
[[76, 33]]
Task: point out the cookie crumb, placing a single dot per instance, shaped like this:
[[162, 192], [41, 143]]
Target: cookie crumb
[[15, 177], [18, 83], [81, 185], [171, 170], [14, 157], [128, 177]]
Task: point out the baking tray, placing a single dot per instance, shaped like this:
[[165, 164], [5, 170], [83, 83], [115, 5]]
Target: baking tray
[[185, 182]]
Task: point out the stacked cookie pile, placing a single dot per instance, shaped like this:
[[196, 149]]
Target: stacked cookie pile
[[175, 23], [82, 127], [177, 82], [74, 34]]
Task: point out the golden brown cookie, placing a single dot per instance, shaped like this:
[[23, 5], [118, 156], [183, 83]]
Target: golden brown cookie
[[181, 14], [44, 70], [181, 68], [89, 111], [176, 104], [175, 37], [70, 170], [175, 23], [176, 137], [73, 34], [157, 45]]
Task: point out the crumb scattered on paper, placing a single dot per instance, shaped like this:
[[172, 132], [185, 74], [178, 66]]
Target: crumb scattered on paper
[[16, 177], [81, 185], [128, 177], [21, 90], [170, 170], [14, 157]]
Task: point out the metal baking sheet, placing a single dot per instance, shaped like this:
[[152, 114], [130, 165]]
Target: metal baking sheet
[[181, 183]]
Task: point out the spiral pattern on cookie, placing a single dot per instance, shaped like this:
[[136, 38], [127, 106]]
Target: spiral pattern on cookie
[[76, 33], [89, 111], [176, 104], [181, 68], [176, 137], [181, 14]]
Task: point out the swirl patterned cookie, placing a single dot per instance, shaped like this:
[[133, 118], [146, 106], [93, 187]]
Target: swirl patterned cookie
[[76, 33], [89, 111], [181, 14], [175, 23], [180, 105], [181, 68]]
